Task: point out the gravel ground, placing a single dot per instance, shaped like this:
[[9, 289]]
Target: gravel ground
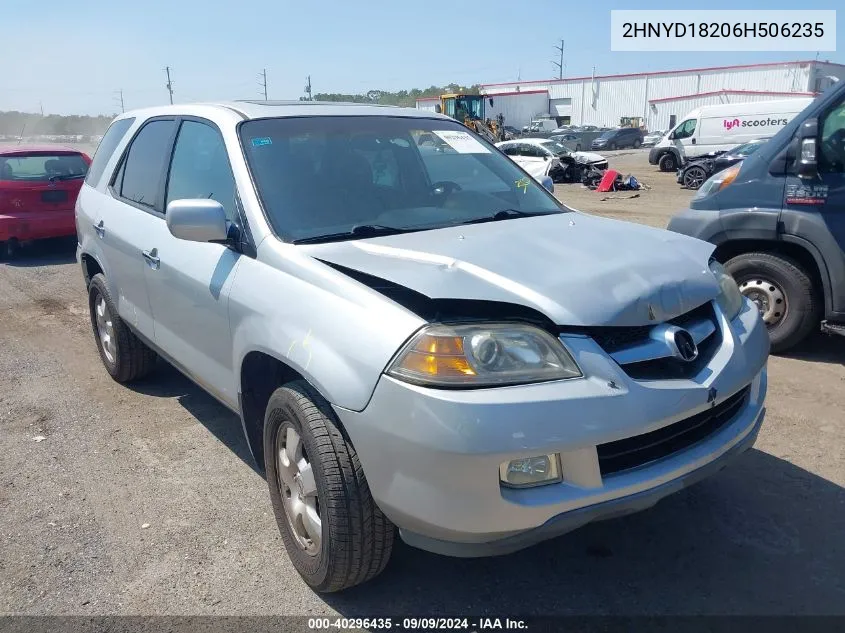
[[144, 500]]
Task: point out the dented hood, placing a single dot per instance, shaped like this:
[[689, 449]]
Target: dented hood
[[576, 269]]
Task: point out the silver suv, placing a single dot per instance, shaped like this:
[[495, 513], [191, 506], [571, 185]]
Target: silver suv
[[414, 332]]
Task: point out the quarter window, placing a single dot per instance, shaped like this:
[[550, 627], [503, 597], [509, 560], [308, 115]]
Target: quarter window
[[140, 175], [200, 167], [111, 139]]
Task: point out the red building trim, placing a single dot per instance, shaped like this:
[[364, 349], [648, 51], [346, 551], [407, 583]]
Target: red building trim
[[733, 92], [664, 72]]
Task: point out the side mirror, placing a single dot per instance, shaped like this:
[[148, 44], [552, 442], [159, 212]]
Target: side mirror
[[438, 109], [671, 136], [546, 157], [200, 220], [548, 184], [491, 102], [808, 134]]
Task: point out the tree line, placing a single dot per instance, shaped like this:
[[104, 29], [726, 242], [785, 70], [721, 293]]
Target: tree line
[[404, 98], [32, 124]]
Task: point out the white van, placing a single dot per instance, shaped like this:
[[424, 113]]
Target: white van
[[720, 127]]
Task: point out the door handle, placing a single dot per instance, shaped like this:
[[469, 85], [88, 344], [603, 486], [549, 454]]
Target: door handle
[[100, 229], [152, 258]]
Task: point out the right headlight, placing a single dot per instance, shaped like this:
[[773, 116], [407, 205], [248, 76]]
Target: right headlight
[[718, 181], [482, 355], [730, 298]]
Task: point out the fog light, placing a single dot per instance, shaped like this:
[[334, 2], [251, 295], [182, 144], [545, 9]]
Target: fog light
[[530, 471]]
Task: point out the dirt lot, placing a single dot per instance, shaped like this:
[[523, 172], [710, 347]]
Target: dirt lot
[[143, 500]]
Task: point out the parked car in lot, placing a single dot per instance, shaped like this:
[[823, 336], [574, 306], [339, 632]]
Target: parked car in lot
[[544, 157], [720, 127], [413, 336], [653, 138], [38, 189], [570, 141], [777, 221], [695, 172], [619, 138]]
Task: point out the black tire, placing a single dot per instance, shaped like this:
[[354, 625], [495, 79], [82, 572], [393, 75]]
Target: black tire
[[9, 249], [611, 146], [668, 162], [803, 308], [637, 144], [132, 359], [357, 539]]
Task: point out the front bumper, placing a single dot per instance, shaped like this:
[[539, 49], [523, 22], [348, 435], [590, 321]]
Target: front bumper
[[431, 456]]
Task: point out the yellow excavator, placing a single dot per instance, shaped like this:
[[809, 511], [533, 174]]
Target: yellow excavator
[[469, 110]]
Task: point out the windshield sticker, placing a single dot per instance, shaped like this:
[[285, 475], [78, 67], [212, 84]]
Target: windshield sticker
[[462, 142], [523, 183], [806, 194], [264, 140]]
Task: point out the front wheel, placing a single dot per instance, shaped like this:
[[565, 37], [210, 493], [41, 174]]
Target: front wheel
[[782, 291], [694, 176], [668, 162], [335, 535]]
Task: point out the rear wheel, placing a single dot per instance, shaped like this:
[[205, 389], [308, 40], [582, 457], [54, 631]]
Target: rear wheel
[[637, 144], [124, 355], [335, 535], [668, 162], [611, 146], [9, 249], [783, 292]]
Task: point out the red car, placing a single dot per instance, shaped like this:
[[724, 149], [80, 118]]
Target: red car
[[38, 189]]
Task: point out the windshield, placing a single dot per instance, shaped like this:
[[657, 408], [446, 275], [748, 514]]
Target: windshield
[[323, 176], [746, 149], [42, 167], [608, 134], [555, 147]]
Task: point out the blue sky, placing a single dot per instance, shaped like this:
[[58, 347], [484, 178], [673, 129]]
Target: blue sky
[[74, 62]]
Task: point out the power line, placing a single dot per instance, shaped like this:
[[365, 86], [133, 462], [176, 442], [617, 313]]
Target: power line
[[169, 84], [263, 83], [560, 65]]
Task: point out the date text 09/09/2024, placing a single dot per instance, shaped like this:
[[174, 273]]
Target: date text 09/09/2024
[[418, 624], [722, 29]]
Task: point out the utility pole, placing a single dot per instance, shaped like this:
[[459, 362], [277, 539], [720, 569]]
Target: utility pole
[[41, 105], [560, 63], [263, 84], [308, 88], [169, 84], [120, 93]]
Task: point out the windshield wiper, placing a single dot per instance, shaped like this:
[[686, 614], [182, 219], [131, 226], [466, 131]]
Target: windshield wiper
[[507, 214], [359, 230], [66, 177]]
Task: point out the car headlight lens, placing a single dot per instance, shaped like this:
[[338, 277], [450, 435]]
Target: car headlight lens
[[718, 181], [730, 298], [479, 355]]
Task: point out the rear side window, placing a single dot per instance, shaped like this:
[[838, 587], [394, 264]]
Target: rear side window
[[105, 149], [42, 167], [139, 179]]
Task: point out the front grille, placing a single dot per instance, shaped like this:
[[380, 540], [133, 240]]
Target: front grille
[[639, 450], [614, 338]]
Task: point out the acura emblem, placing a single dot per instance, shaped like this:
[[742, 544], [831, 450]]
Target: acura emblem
[[684, 344]]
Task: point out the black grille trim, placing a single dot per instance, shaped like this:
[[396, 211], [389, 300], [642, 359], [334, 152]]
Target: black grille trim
[[632, 452]]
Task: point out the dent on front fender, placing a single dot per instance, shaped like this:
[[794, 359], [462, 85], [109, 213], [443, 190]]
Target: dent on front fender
[[333, 331]]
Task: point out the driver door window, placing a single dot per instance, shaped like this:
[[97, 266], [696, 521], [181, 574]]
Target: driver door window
[[832, 150], [686, 129]]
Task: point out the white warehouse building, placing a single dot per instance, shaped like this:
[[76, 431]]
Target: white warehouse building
[[659, 99]]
